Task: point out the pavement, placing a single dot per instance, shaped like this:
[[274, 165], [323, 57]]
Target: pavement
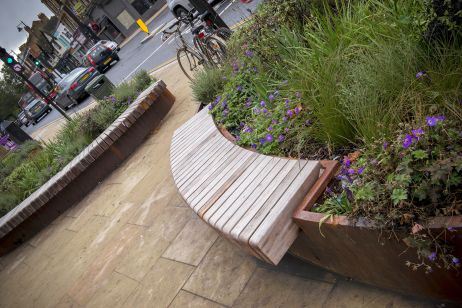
[[154, 53], [133, 242]]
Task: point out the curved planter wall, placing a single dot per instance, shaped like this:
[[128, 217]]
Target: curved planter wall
[[87, 169], [364, 253]]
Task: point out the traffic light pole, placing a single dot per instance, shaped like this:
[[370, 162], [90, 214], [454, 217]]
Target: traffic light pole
[[18, 69]]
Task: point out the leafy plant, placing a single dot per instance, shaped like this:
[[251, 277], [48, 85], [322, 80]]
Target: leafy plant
[[207, 84]]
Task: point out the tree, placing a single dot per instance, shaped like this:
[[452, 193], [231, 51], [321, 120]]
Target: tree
[[11, 89]]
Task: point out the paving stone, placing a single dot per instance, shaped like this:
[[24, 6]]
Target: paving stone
[[160, 285], [193, 242], [169, 222], [98, 274], [67, 302], [275, 289], [350, 294], [114, 293], [222, 274], [188, 300], [143, 253]]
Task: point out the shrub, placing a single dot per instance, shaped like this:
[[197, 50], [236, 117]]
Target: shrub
[[207, 84]]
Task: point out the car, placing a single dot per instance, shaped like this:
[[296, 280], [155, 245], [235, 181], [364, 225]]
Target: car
[[101, 56], [36, 110], [111, 44], [22, 119], [183, 7], [71, 89]]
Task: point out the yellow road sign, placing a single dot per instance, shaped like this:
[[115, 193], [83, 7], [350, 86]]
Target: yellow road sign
[[142, 26]]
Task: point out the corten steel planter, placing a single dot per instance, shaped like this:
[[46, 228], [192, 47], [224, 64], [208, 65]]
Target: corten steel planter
[[87, 169], [358, 250]]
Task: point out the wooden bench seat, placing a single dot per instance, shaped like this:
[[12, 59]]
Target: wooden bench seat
[[247, 197]]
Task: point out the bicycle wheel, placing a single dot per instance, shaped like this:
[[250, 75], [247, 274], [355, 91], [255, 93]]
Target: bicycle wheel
[[189, 61], [200, 46], [216, 50]]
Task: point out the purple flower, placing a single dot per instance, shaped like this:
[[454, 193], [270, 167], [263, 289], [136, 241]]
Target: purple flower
[[271, 97], [265, 110], [455, 261], [217, 99], [346, 162], [249, 53], [420, 75], [297, 110], [255, 69], [432, 121], [407, 141], [329, 190], [269, 138], [248, 104], [287, 103], [263, 103], [239, 88], [441, 118], [253, 146], [256, 110], [290, 113], [270, 128], [360, 170], [224, 78], [284, 119], [235, 67], [274, 121], [262, 140], [225, 112], [238, 138], [281, 138], [242, 124], [210, 107], [385, 145], [351, 171], [224, 104], [286, 129], [417, 133], [248, 129], [432, 256]]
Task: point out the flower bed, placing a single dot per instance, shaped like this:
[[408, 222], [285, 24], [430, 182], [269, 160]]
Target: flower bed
[[366, 83], [25, 170]]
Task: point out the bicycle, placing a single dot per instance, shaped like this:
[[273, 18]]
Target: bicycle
[[194, 59]]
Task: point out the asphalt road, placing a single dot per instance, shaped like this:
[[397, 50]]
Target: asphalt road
[[135, 56]]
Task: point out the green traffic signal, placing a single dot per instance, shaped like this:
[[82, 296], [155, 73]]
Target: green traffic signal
[[37, 63], [9, 60]]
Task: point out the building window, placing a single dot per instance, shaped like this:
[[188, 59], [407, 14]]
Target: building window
[[141, 6], [125, 19]]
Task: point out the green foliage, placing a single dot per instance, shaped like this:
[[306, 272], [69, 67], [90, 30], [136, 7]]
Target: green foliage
[[207, 84], [26, 169], [11, 89], [128, 90], [403, 181]]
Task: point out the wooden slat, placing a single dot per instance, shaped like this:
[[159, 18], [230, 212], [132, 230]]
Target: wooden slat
[[214, 210]]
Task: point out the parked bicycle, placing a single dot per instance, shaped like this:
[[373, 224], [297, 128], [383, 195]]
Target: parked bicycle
[[208, 47]]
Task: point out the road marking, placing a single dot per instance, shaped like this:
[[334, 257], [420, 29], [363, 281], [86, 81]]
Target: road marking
[[147, 58]]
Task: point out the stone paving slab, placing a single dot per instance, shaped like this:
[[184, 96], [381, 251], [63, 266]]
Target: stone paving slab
[[132, 242]]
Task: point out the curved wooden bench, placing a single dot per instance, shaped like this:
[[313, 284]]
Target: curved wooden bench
[[84, 172], [248, 197]]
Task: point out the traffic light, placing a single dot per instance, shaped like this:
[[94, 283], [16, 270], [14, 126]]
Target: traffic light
[[37, 62], [10, 61]]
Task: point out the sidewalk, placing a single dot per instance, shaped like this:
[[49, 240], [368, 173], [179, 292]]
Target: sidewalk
[[132, 242]]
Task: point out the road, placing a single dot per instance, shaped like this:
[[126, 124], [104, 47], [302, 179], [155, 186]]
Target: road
[[135, 56]]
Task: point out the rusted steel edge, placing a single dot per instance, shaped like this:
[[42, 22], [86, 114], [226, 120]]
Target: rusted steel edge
[[330, 168]]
